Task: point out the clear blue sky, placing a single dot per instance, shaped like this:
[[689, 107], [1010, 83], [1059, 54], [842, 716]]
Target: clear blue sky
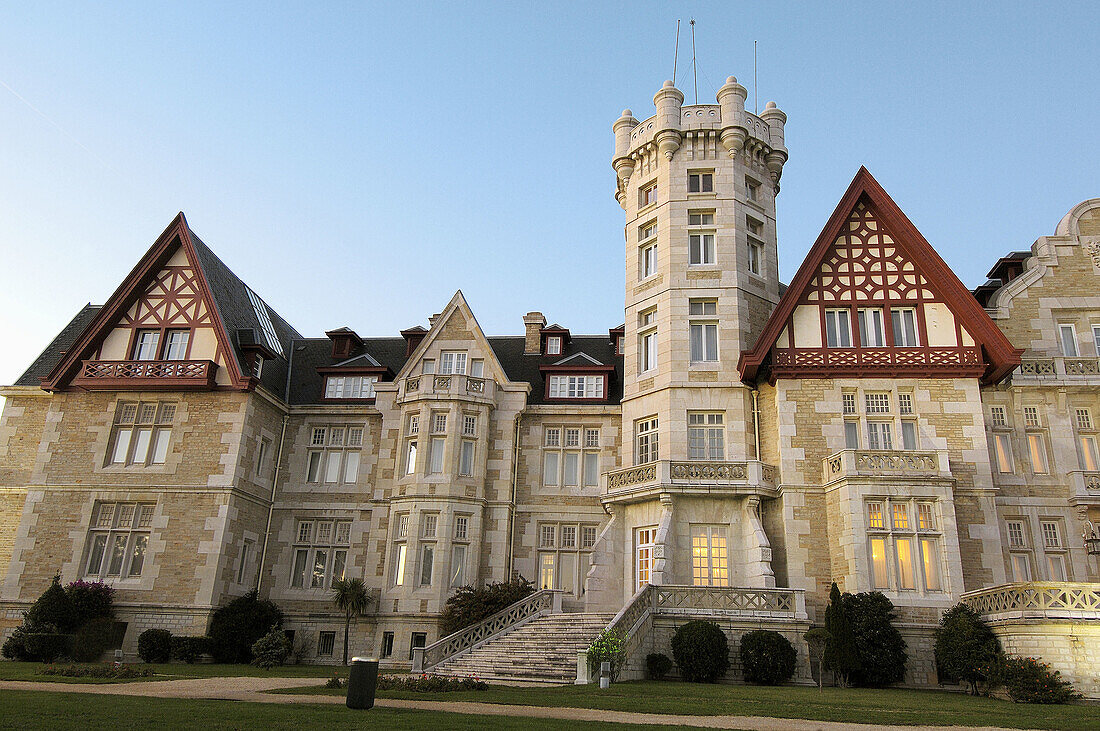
[[357, 163]]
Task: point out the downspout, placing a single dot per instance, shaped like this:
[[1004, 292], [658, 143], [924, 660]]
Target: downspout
[[756, 423], [278, 468], [512, 502]]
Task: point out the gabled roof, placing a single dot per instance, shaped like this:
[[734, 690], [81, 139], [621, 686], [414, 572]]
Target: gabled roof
[[62, 343], [227, 297], [999, 354], [584, 358]]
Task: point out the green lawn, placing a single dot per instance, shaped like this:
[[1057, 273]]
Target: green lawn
[[857, 705], [42, 710], [172, 671]]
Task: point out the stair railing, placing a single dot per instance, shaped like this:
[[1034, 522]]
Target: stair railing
[[632, 623], [545, 601]]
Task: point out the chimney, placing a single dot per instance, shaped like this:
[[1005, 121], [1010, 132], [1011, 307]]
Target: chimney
[[534, 322], [413, 336]]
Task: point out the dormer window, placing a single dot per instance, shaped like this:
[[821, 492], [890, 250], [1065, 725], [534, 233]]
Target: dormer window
[[350, 387], [586, 387], [553, 345]]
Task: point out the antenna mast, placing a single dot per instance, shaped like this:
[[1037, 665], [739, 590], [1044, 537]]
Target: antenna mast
[[755, 88], [676, 53], [693, 72]]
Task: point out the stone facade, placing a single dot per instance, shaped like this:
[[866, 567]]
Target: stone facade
[[726, 436]]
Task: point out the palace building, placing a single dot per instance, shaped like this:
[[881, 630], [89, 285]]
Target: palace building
[[727, 452]]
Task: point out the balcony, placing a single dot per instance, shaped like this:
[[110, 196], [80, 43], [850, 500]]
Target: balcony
[[1036, 600], [1086, 487], [630, 484], [866, 463], [1057, 370], [447, 386], [146, 375]]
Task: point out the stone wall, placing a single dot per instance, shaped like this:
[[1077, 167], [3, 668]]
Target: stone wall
[[1072, 648]]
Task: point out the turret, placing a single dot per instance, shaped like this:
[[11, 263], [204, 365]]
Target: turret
[[775, 159], [732, 97], [668, 102], [623, 162]]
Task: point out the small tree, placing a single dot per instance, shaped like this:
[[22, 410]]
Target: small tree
[[701, 651], [965, 647], [53, 607], [91, 600], [816, 639], [840, 650], [352, 598], [879, 645], [607, 647], [469, 605], [272, 649]]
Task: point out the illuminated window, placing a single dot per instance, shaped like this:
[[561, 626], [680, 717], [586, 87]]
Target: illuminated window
[[645, 539], [709, 556]]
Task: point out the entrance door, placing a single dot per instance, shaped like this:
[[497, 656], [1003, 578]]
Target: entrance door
[[644, 539], [709, 556]]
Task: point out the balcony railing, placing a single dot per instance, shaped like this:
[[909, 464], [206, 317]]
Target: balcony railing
[[885, 462], [146, 375], [1086, 485], [704, 474], [1054, 368], [1037, 600], [447, 386]]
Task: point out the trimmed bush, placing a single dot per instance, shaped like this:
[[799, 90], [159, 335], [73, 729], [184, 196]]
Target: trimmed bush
[[236, 627], [429, 683], [965, 647], [48, 646], [469, 605], [272, 649], [879, 645], [1027, 680], [657, 665], [53, 607], [188, 649], [701, 651], [103, 670], [155, 645], [767, 657], [90, 599], [93, 639]]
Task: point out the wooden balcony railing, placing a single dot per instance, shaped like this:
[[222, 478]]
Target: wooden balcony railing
[[146, 375]]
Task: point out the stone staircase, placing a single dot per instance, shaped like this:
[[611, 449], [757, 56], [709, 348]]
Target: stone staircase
[[543, 650]]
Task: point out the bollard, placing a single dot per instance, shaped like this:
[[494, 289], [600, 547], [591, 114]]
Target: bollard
[[605, 674], [362, 682]]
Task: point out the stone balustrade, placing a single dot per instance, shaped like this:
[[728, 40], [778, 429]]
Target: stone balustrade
[[1036, 600], [885, 462], [1047, 369], [447, 386], [1086, 486], [704, 474]]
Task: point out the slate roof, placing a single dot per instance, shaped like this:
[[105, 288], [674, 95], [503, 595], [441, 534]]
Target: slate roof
[[65, 339], [520, 367]]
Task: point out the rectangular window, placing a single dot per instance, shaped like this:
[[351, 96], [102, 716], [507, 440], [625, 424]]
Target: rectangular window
[[874, 516], [647, 261], [462, 524], [458, 566], [904, 322], [176, 347], [1031, 416], [410, 457], [427, 561], [849, 402], [1083, 417], [706, 436], [1068, 336], [752, 189], [700, 182], [242, 563], [877, 403], [851, 434], [704, 342], [569, 536], [477, 368], [469, 425], [403, 525], [466, 459], [1090, 457], [550, 465], [571, 469], [546, 570], [553, 345], [643, 555], [900, 514], [1037, 451], [1096, 339], [439, 423], [930, 561], [756, 228], [576, 386], [431, 525], [435, 458], [1016, 536], [838, 331], [905, 404], [647, 230], [925, 517], [908, 434], [648, 359], [588, 536], [1056, 567], [879, 435], [1003, 447], [647, 195], [878, 563], [339, 460], [591, 437], [419, 639], [997, 415], [147, 345], [326, 643], [399, 565], [700, 218], [118, 539], [387, 645], [572, 437], [904, 548], [1021, 567], [262, 450], [350, 387], [547, 535], [427, 367], [1052, 538], [871, 332], [709, 557], [452, 362], [141, 433], [553, 437], [756, 255], [298, 578], [700, 248], [646, 441]]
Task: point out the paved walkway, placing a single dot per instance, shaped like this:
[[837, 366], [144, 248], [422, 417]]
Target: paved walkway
[[253, 689]]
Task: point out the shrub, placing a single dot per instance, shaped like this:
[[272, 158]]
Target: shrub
[[607, 647], [155, 645], [302, 647], [1027, 680], [48, 646], [53, 607], [429, 683], [101, 670], [965, 647], [840, 651], [236, 627], [90, 599], [767, 657], [469, 605], [701, 651], [15, 647], [188, 649], [335, 682], [879, 645], [93, 639], [657, 665], [272, 649]]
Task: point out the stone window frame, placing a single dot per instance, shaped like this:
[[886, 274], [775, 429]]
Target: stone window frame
[[647, 194], [647, 250], [1063, 327], [326, 643], [559, 546], [703, 320], [344, 442], [865, 317], [709, 423], [1055, 553], [647, 440], [755, 253], [838, 317], [717, 558], [128, 520], [925, 541], [647, 341], [1088, 452], [1019, 551], [645, 543], [449, 362], [562, 441], [702, 179], [327, 535], [350, 387], [131, 418]]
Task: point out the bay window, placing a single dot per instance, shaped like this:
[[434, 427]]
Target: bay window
[[904, 545]]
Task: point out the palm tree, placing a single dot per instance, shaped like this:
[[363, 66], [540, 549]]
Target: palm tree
[[352, 597]]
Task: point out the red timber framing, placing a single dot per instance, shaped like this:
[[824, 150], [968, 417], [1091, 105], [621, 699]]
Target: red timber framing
[[848, 268], [185, 290]]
